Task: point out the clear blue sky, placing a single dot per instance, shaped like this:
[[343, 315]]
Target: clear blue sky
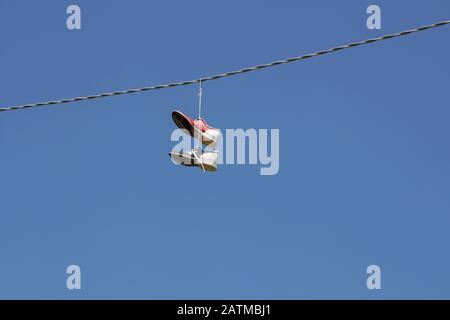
[[364, 159]]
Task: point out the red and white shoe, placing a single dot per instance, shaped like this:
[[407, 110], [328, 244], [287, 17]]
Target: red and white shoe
[[206, 161], [197, 128]]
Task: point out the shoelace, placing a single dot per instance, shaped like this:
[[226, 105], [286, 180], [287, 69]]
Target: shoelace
[[194, 152]]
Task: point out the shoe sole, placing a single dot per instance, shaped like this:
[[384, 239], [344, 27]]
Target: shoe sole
[[183, 123]]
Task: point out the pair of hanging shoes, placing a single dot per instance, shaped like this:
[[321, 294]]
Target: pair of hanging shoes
[[207, 135]]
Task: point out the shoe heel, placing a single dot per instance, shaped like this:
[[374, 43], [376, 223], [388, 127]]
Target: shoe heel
[[209, 137], [209, 161]]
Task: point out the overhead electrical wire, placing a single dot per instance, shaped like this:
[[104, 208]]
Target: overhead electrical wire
[[228, 74]]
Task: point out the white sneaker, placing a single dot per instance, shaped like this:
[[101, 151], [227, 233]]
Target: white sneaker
[[206, 161]]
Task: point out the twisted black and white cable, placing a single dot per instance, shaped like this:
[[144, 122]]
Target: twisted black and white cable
[[228, 74]]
